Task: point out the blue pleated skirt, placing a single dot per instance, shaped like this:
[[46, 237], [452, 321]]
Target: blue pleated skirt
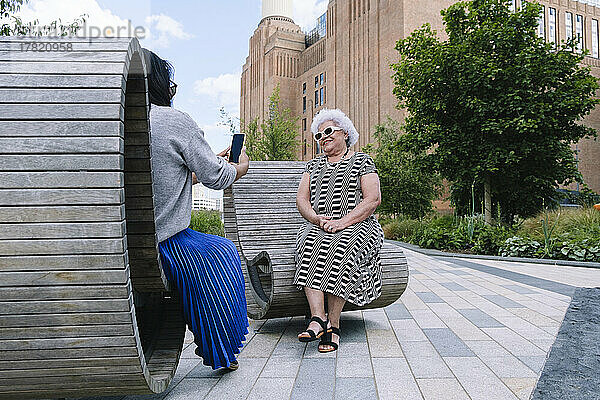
[[207, 273]]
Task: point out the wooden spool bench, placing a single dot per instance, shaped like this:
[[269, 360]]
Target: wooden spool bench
[[262, 220], [82, 304]]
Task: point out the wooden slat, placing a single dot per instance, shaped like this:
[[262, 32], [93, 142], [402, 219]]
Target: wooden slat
[[62, 214], [138, 178], [84, 179], [43, 383], [84, 145], [61, 246], [61, 128], [55, 373], [70, 352], [61, 306], [137, 113], [61, 111], [138, 190], [61, 95], [63, 162], [50, 68], [54, 278], [136, 152], [45, 365], [52, 332], [46, 197], [66, 292], [53, 263], [17, 80], [63, 231]]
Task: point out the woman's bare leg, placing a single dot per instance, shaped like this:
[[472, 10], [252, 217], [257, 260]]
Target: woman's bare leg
[[316, 301], [335, 305]]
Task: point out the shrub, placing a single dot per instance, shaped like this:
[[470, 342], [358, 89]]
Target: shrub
[[207, 221], [584, 250], [489, 240], [516, 246]]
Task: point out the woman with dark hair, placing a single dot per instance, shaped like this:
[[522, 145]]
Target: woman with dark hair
[[204, 268]]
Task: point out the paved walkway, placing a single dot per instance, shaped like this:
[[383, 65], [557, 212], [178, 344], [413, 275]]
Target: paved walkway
[[464, 329]]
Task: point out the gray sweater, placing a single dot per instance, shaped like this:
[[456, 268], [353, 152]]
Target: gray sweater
[[178, 148]]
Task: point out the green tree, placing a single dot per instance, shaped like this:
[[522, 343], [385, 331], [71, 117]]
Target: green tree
[[276, 138], [408, 186], [252, 140], [11, 25], [495, 104]]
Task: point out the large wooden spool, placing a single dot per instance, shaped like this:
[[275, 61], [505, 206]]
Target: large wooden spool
[[83, 309], [262, 220]]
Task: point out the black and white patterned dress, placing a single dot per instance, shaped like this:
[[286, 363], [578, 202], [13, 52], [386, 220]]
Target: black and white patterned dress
[[345, 263]]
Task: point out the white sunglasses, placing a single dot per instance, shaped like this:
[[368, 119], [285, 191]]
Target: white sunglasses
[[326, 132]]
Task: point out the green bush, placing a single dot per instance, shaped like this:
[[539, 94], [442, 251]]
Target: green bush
[[576, 237], [516, 246], [489, 240], [207, 221]]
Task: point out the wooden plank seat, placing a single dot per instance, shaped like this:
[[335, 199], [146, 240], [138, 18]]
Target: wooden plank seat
[[262, 220], [84, 305]]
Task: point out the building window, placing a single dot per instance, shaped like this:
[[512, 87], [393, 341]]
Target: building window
[[569, 25], [595, 38], [321, 95], [579, 33], [542, 23], [321, 79], [324, 77], [303, 124], [316, 98], [305, 145], [304, 88], [552, 26], [324, 94], [317, 81], [304, 104]]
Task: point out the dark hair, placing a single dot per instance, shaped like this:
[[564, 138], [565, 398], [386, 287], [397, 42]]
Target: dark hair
[[160, 73]]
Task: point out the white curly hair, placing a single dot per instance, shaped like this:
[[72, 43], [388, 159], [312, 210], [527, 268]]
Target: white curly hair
[[341, 120]]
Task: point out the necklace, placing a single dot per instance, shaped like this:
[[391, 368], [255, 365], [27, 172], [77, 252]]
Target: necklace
[[343, 157]]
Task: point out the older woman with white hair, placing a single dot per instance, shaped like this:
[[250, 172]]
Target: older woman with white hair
[[337, 249]]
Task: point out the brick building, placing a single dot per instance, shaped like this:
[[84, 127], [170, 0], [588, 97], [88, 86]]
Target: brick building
[[345, 62]]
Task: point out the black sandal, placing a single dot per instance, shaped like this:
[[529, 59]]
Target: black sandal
[[314, 336], [327, 340]]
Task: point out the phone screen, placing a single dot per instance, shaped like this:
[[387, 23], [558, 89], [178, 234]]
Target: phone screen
[[236, 147]]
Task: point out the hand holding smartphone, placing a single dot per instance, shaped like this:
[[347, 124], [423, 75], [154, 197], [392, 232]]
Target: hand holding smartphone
[[236, 148]]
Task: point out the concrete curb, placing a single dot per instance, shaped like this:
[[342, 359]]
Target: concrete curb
[[438, 253]]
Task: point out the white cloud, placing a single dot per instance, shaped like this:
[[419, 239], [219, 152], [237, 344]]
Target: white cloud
[[306, 12], [223, 90], [161, 29]]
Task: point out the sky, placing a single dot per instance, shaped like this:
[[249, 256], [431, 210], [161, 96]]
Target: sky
[[206, 41]]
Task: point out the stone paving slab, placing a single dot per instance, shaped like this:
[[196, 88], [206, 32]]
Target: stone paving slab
[[464, 329], [572, 370]]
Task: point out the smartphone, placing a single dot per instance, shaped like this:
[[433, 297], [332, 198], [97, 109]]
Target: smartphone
[[236, 147]]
